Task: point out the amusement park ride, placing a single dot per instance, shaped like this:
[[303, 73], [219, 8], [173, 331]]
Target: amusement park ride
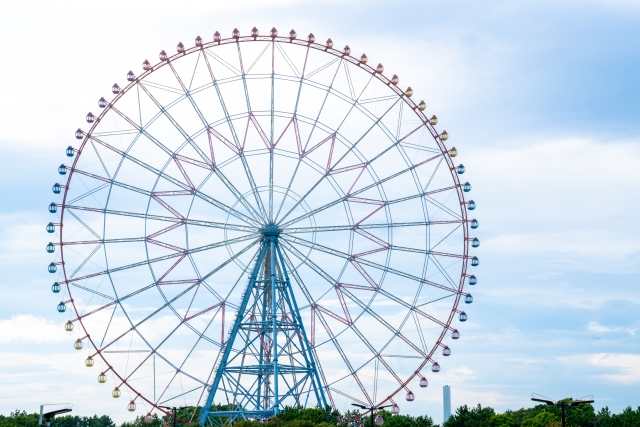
[[262, 221]]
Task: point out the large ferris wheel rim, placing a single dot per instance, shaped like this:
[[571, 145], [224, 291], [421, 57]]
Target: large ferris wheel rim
[[308, 45]]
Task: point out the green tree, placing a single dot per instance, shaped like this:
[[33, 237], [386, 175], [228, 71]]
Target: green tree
[[470, 417], [500, 420], [315, 415], [19, 418], [542, 419], [603, 418], [391, 420], [424, 421], [140, 422], [628, 418], [22, 419]]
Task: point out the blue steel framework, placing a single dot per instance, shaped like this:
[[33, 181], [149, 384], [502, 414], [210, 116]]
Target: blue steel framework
[[340, 195], [269, 312]]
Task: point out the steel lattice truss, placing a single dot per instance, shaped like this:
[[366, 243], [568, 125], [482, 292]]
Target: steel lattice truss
[[268, 216]]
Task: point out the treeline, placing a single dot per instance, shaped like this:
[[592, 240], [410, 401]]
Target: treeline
[[22, 419], [583, 415]]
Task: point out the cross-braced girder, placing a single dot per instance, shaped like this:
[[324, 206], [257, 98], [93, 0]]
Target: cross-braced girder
[[267, 361]]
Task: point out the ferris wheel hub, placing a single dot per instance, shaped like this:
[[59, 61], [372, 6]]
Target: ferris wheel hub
[[270, 230]]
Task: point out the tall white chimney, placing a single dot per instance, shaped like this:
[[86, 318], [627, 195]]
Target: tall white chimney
[[446, 402]]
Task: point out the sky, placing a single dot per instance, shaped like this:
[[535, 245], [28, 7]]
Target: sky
[[541, 98]]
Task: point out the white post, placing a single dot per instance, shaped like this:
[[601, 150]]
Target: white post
[[446, 402], [40, 421]]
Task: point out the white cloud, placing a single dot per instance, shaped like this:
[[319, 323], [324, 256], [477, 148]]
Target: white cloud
[[620, 368], [567, 199], [596, 327], [29, 328]]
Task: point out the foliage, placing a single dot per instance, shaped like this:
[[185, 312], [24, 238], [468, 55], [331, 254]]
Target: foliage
[[470, 417], [582, 415], [19, 418], [391, 420], [542, 419], [500, 420], [140, 422], [628, 418], [315, 415]]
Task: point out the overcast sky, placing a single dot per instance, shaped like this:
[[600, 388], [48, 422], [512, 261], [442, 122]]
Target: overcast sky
[[541, 98]]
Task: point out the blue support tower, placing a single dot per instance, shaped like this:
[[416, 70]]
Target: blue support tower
[[267, 361]]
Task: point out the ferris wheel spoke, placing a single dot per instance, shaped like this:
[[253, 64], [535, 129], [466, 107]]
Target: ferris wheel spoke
[[114, 302], [218, 170], [313, 128], [239, 215], [174, 122], [155, 312], [434, 172], [326, 327], [353, 194], [102, 241], [294, 120], [166, 257], [310, 300], [106, 330], [375, 315], [227, 262], [239, 147], [442, 207], [322, 68], [200, 336], [271, 130], [352, 227], [322, 105], [207, 164], [186, 221], [140, 129], [134, 370], [301, 332], [92, 291], [355, 101], [288, 60], [205, 124], [412, 308], [89, 193], [446, 236], [97, 153], [371, 284], [267, 45], [443, 271], [349, 150], [364, 261], [305, 259], [376, 353], [87, 258], [109, 181], [220, 60], [385, 246], [338, 347], [84, 224]]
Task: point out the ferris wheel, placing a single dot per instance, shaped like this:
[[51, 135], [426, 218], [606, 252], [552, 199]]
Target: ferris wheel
[[258, 222]]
